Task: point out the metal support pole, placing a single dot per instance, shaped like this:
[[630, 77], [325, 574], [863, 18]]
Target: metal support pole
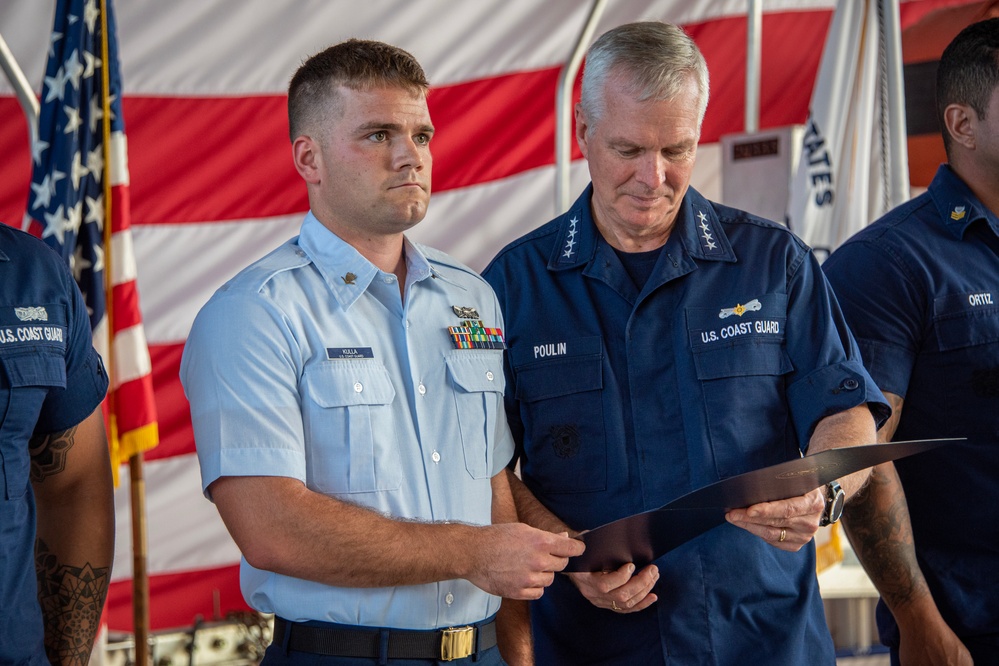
[[754, 21], [898, 187], [563, 108], [25, 95]]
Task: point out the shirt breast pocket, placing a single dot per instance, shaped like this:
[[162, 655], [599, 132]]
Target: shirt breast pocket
[[477, 378], [348, 428], [25, 382], [966, 328], [965, 320], [565, 445], [741, 367]]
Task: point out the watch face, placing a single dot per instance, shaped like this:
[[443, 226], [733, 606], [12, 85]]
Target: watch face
[[836, 508], [835, 500]]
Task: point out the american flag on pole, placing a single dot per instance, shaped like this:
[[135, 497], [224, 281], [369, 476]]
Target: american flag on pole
[[79, 205]]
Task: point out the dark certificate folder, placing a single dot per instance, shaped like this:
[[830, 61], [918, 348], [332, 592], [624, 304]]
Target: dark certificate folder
[[644, 537]]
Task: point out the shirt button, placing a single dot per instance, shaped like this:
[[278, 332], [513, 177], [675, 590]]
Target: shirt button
[[300, 253], [449, 599], [850, 384], [389, 280], [358, 387], [436, 457], [489, 375], [422, 389], [408, 323]]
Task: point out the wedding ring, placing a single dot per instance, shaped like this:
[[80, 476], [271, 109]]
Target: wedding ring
[[614, 606], [783, 535]]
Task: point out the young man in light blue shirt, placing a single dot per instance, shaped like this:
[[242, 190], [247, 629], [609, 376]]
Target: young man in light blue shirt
[[347, 399]]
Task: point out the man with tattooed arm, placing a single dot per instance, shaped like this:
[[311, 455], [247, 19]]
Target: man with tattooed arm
[[926, 318], [56, 494]]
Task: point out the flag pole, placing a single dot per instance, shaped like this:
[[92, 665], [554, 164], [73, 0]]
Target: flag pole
[[898, 152], [140, 574], [137, 485]]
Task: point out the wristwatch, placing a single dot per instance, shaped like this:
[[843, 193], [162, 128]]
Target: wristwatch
[[835, 499]]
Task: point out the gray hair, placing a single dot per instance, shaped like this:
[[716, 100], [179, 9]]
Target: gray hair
[[657, 57]]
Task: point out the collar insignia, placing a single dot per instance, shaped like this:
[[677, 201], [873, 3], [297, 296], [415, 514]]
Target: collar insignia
[[957, 213], [709, 240], [349, 278], [464, 313], [739, 310], [571, 240]]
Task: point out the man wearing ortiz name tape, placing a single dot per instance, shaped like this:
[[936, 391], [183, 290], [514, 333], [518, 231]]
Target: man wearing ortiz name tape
[[56, 494], [926, 316], [347, 400], [658, 342]]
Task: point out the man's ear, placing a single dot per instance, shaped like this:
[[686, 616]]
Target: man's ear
[[581, 127], [960, 121], [307, 158]]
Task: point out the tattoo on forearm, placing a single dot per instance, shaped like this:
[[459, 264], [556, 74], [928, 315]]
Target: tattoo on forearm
[[881, 535], [72, 599], [49, 453]]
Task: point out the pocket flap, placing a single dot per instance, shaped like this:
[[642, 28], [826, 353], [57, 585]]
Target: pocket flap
[[476, 371], [966, 320], [742, 361], [344, 383], [564, 376], [39, 368]]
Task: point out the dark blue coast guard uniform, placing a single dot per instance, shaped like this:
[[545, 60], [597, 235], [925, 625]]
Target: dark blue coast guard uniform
[[50, 380], [920, 289], [623, 398]]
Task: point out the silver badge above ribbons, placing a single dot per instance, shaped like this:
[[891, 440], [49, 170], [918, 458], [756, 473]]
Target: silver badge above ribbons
[[465, 313]]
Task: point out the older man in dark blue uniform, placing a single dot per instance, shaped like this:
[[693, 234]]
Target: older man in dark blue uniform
[[53, 580], [659, 342], [926, 315]]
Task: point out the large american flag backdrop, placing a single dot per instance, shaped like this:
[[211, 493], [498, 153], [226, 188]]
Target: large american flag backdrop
[[213, 187]]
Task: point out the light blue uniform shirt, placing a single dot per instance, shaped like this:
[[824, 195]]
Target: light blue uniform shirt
[[308, 364]]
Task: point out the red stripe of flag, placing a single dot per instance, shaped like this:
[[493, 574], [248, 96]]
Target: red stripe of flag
[[179, 597]]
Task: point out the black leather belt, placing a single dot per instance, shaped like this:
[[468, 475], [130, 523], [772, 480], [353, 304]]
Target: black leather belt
[[443, 644]]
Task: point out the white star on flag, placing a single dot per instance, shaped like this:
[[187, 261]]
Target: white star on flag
[[56, 85], [77, 171], [55, 225], [43, 192], [74, 70], [90, 14], [90, 64], [37, 148], [73, 120]]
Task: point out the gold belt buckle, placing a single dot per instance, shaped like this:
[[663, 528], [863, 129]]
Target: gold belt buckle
[[457, 643]]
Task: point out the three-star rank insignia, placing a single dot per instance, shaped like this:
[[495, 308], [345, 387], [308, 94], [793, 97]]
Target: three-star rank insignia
[[349, 278]]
